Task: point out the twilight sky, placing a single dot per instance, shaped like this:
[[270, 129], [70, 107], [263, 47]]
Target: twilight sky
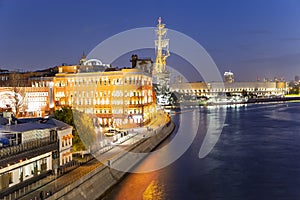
[[252, 38]]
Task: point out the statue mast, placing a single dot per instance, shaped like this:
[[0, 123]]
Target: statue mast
[[161, 47], [161, 73]]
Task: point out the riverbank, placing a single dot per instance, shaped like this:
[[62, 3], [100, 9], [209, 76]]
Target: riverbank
[[286, 98], [189, 104], [99, 181]]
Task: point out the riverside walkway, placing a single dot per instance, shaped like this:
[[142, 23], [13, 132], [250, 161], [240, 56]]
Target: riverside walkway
[[54, 185]]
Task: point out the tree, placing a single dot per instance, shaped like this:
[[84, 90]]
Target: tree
[[16, 81], [174, 98], [18, 99], [294, 90], [85, 128], [66, 115], [244, 93], [228, 94]]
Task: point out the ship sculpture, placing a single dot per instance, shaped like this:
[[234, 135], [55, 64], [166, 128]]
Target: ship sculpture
[[160, 73]]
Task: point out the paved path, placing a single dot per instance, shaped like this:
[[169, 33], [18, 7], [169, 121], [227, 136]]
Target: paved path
[[70, 177]]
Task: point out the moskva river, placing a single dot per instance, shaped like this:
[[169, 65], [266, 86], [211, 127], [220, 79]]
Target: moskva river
[[257, 156]]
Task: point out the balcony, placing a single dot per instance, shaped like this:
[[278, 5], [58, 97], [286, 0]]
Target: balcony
[[13, 154], [135, 105], [105, 115]]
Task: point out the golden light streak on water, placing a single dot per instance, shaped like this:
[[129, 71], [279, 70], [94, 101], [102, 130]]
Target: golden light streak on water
[[136, 184], [155, 190]]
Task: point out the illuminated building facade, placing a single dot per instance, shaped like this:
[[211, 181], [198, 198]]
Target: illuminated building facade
[[31, 149], [196, 88], [35, 101], [28, 94], [115, 97], [212, 89]]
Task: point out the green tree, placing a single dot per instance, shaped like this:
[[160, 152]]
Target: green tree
[[66, 115], [85, 127], [244, 93], [294, 90], [174, 98]]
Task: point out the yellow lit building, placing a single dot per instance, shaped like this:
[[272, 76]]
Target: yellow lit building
[[212, 89], [115, 97]]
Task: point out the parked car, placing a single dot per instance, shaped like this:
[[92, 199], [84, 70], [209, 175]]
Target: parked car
[[110, 132]]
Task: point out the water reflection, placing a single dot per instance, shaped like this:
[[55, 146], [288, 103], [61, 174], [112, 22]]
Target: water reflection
[[254, 158], [216, 118]]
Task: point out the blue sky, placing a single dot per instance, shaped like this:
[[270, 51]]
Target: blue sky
[[252, 38]]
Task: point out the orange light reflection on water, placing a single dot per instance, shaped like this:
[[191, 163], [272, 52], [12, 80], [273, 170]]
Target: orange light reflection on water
[[141, 186]]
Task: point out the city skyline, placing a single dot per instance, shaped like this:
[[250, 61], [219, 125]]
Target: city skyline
[[182, 100], [250, 38]]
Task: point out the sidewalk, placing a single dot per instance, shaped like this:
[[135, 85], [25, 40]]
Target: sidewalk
[[52, 185], [72, 176], [61, 182]]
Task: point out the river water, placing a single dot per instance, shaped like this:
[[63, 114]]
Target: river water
[[257, 156]]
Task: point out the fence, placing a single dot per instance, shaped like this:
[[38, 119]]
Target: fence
[[13, 150]]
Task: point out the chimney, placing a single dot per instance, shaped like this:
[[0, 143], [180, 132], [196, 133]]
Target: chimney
[[133, 60]]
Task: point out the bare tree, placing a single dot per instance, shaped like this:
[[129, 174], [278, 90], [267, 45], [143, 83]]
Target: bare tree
[[17, 84]]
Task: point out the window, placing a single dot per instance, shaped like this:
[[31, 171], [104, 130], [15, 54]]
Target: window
[[10, 177]]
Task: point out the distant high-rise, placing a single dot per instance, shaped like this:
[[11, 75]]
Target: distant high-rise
[[297, 78], [228, 77]]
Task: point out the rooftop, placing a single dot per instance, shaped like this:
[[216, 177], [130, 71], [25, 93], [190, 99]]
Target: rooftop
[[24, 125]]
